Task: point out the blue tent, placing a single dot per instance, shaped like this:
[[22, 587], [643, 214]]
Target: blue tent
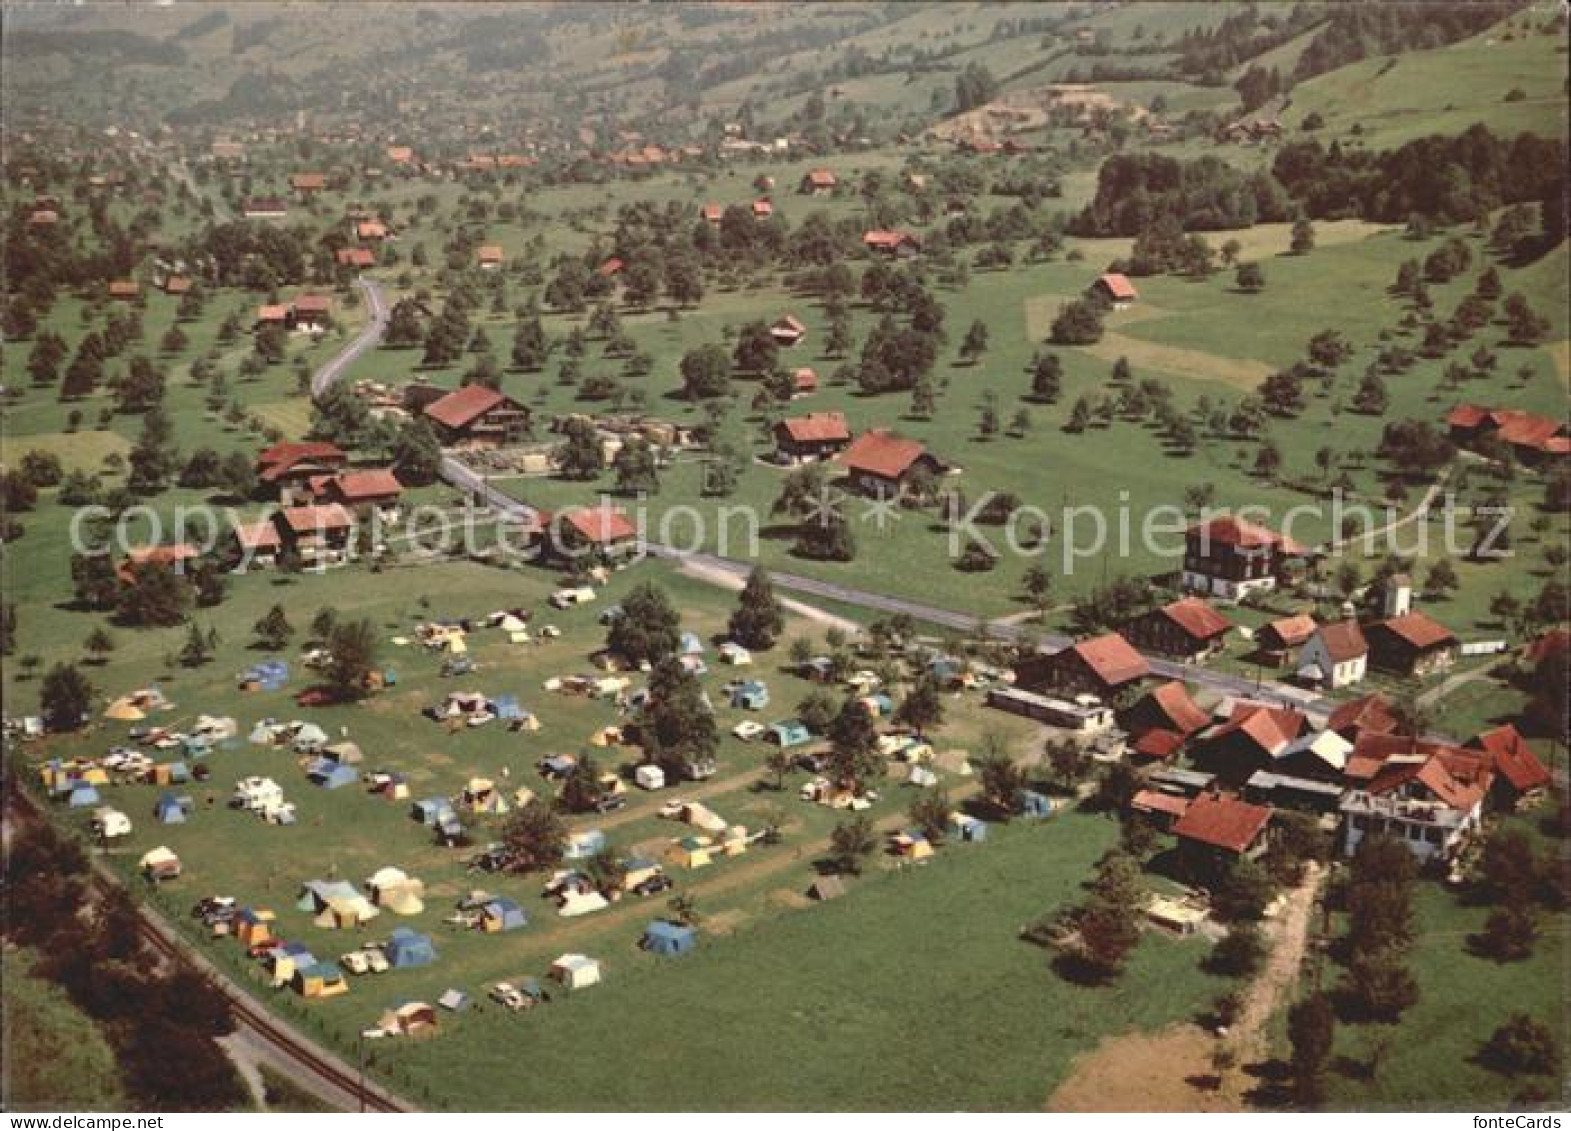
[[171, 810], [1034, 804], [506, 707], [971, 830], [503, 914], [329, 774], [432, 811], [83, 795], [178, 773], [585, 845], [610, 613], [691, 645], [662, 937], [789, 732], [884, 704], [749, 695], [409, 948]]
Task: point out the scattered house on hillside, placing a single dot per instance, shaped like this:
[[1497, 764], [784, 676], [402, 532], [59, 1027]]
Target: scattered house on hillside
[[259, 544], [370, 231], [360, 258], [265, 208], [890, 244], [1103, 666], [1277, 641], [804, 382], [1418, 801], [287, 468], [818, 182], [818, 435], [1188, 629], [1531, 438], [787, 330], [124, 290], [179, 557], [319, 535], [308, 184], [1229, 557], [1520, 778], [1336, 656], [477, 416], [1116, 289], [1413, 644], [176, 285], [489, 257], [712, 213], [401, 154], [43, 218], [763, 209], [601, 533], [1216, 829], [885, 464], [313, 313], [362, 492]]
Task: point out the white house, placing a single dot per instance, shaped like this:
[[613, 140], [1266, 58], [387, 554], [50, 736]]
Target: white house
[[1335, 656], [1419, 802]]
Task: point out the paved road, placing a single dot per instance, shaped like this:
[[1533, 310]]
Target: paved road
[[370, 334]]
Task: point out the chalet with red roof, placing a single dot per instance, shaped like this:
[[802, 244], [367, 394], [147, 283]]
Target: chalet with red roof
[[1188, 629], [287, 468], [818, 182], [362, 492], [884, 464], [1520, 778], [1254, 736], [1115, 289], [370, 231], [763, 209], [179, 557], [1163, 810], [891, 245], [818, 435], [1278, 640], [787, 330], [712, 213], [401, 154], [804, 382], [43, 218], [1412, 644], [1216, 829], [259, 544], [1432, 808], [1102, 666], [308, 184], [489, 257], [1370, 714], [601, 534], [319, 534], [124, 290], [1230, 557], [1162, 721], [265, 208], [477, 416], [312, 313], [1531, 438], [360, 258], [176, 285], [1336, 656]]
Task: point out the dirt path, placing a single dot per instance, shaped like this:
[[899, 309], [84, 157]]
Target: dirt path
[[730, 581], [1172, 1070]]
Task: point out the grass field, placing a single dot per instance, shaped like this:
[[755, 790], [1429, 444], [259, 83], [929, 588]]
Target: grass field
[[55, 1056]]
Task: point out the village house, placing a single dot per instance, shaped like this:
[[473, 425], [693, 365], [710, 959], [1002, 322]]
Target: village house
[[178, 557], [1530, 437], [601, 535], [1252, 736], [124, 290], [818, 435], [1116, 289], [1335, 657], [317, 534], [1278, 640], [763, 209], [477, 416], [370, 231], [891, 245], [885, 464], [1413, 644], [712, 213], [1520, 779], [1418, 801], [287, 468], [265, 208], [1162, 722], [489, 257], [787, 331], [359, 258], [176, 285], [308, 184], [1188, 629], [818, 182], [1216, 830], [363, 492], [804, 382], [1369, 714], [1103, 666], [312, 313], [259, 544], [1230, 557]]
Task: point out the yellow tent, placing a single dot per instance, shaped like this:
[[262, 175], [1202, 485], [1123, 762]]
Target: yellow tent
[[125, 710], [689, 852]]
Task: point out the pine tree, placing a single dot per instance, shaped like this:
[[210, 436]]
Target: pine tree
[[758, 619]]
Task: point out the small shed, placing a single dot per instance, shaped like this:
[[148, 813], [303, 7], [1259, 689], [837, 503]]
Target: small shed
[[669, 939], [576, 971], [407, 948]]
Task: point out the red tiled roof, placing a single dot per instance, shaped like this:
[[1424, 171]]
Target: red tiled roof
[[713, 212], [1230, 530], [1371, 713], [817, 427], [1433, 774], [1197, 618], [1467, 416], [1293, 631], [162, 555], [1112, 658], [883, 239], [311, 519], [123, 288], [600, 525], [464, 406], [400, 154], [804, 380], [822, 178], [177, 285], [763, 208], [1269, 728], [276, 460], [1118, 285], [308, 181], [356, 257], [272, 312], [1344, 641], [1159, 743], [1512, 758], [611, 267], [883, 453], [1222, 822], [374, 483], [313, 304], [1525, 430], [370, 230], [1155, 801], [1418, 630], [489, 253], [1174, 701]]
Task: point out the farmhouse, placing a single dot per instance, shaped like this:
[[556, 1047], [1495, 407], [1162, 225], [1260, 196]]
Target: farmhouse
[[1276, 641], [287, 468], [1412, 644], [1162, 722], [1531, 438], [371, 231], [124, 290], [892, 245], [601, 533], [357, 257], [318, 534], [1216, 829], [1370, 714], [804, 382], [1188, 629], [817, 435], [1230, 557], [787, 330], [763, 209], [818, 182], [175, 557], [1520, 778], [712, 213], [312, 313], [362, 492], [259, 543], [885, 464], [265, 208], [1418, 801], [1335, 657], [1116, 289], [1102, 666], [489, 257], [308, 184], [1252, 737], [477, 416]]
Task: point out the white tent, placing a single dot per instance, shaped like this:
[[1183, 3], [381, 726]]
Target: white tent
[[110, 823], [576, 971]]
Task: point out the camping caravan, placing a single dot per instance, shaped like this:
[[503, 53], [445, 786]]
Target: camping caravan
[[576, 971], [407, 948], [649, 776], [668, 939], [110, 824], [160, 864]]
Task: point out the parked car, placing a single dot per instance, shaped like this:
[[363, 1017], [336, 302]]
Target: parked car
[[654, 885], [610, 803]]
